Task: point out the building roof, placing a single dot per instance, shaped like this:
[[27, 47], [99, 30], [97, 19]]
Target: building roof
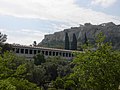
[[45, 48]]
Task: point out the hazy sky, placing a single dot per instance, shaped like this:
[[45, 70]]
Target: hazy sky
[[25, 21]]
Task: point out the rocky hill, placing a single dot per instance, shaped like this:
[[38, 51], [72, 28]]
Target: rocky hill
[[111, 30]]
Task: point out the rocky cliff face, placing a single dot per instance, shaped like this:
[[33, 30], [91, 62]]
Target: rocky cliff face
[[111, 31]]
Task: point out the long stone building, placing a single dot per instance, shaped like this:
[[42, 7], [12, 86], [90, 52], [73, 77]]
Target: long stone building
[[30, 51]]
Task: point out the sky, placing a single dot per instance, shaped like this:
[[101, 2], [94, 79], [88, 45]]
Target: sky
[[25, 21]]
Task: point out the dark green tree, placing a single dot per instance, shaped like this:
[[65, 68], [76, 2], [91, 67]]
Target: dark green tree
[[74, 42], [38, 59], [58, 83], [86, 40], [34, 43], [38, 75], [5, 47], [3, 37], [67, 47]]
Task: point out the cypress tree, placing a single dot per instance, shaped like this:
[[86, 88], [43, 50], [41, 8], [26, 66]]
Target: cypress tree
[[74, 42], [66, 41], [34, 43], [3, 37], [86, 40]]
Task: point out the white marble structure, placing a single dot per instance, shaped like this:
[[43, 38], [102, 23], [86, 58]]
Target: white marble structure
[[30, 51]]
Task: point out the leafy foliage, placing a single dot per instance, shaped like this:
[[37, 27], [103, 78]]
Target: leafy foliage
[[3, 37], [38, 75], [5, 47], [48, 71], [100, 69], [94, 69], [58, 83], [22, 84], [38, 59], [6, 85], [13, 72]]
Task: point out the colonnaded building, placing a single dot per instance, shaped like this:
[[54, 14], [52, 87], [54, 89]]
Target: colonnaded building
[[30, 51]]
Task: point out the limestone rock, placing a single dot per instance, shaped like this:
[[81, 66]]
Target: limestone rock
[[111, 31]]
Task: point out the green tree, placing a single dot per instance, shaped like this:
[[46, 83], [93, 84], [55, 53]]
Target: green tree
[[3, 37], [22, 84], [86, 39], [38, 75], [58, 83], [34, 43], [67, 47], [13, 72], [65, 83], [69, 85], [48, 71], [6, 85], [39, 58], [51, 71], [100, 69], [56, 68], [74, 43], [5, 47]]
